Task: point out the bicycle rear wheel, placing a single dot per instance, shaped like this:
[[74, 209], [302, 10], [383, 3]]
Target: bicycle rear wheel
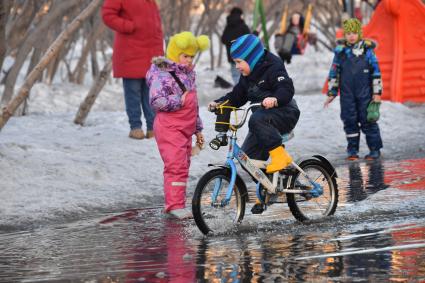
[[304, 206], [210, 210]]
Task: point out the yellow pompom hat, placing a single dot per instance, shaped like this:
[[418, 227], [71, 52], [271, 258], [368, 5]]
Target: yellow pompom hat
[[185, 42]]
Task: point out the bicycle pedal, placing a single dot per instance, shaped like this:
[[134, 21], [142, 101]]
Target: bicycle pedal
[[258, 208], [307, 196]]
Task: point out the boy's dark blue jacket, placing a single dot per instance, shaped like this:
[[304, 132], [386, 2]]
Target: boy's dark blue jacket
[[268, 79]]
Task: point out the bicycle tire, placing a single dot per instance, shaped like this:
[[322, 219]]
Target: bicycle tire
[[211, 216], [313, 208]]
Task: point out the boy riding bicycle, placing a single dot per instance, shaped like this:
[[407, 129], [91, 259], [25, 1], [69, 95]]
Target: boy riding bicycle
[[264, 80]]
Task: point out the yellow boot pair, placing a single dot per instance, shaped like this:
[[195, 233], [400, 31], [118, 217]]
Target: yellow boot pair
[[280, 159]]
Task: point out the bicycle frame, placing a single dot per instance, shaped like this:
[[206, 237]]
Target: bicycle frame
[[236, 152]]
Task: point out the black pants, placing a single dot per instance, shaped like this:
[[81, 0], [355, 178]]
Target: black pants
[[266, 127]]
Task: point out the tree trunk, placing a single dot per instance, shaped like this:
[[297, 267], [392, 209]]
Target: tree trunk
[[54, 64], [50, 70], [19, 24], [77, 76], [94, 63], [220, 49], [4, 13], [97, 86], [200, 23], [25, 49], [52, 51], [38, 51]]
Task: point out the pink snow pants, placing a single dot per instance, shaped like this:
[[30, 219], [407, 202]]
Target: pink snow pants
[[173, 134]]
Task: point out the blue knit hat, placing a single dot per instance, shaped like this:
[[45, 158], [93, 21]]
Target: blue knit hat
[[249, 48]]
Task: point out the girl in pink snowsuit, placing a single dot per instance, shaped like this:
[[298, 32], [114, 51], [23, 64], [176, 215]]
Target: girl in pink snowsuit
[[172, 94]]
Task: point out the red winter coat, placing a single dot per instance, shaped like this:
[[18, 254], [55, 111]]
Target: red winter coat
[[138, 35]]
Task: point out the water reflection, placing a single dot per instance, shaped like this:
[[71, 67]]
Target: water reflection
[[156, 252], [224, 260], [340, 252], [407, 175], [360, 243], [361, 184], [408, 262], [370, 266], [142, 247], [268, 259], [367, 255]]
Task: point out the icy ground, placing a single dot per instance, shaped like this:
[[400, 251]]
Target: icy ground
[[52, 169]]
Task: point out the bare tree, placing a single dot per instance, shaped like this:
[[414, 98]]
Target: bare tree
[[97, 86], [8, 111], [91, 36], [94, 63], [175, 15], [327, 18], [22, 16], [28, 27], [4, 13], [59, 9]]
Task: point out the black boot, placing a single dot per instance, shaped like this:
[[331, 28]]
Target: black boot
[[258, 208]]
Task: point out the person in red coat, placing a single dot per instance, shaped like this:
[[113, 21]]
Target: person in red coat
[[138, 38]]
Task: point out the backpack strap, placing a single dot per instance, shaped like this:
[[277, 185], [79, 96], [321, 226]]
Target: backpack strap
[[178, 81]]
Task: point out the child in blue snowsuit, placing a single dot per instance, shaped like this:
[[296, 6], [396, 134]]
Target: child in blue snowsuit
[[355, 73]]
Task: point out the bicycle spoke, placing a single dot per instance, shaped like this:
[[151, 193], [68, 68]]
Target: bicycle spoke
[[210, 194], [304, 206]]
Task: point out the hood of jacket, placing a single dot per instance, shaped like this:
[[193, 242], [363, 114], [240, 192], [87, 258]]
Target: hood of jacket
[[160, 69], [161, 63], [366, 42]]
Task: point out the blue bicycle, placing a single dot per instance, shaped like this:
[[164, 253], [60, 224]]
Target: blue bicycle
[[220, 196]]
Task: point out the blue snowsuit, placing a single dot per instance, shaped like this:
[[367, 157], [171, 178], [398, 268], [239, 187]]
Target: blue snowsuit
[[355, 73]]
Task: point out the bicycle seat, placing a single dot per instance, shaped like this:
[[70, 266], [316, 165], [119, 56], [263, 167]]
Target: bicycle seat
[[287, 136]]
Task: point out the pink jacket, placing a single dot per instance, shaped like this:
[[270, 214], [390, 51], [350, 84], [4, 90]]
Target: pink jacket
[[164, 92], [138, 35]]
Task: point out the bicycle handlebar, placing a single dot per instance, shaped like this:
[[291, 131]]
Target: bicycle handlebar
[[245, 114]]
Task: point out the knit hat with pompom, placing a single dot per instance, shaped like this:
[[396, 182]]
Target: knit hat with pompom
[[185, 42], [352, 25]]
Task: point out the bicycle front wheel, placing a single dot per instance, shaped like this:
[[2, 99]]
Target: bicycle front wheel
[[211, 211], [306, 207]]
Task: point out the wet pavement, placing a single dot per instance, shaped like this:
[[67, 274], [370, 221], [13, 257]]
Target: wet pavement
[[376, 235]]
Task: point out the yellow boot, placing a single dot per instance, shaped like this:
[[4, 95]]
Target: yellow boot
[[280, 159]]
